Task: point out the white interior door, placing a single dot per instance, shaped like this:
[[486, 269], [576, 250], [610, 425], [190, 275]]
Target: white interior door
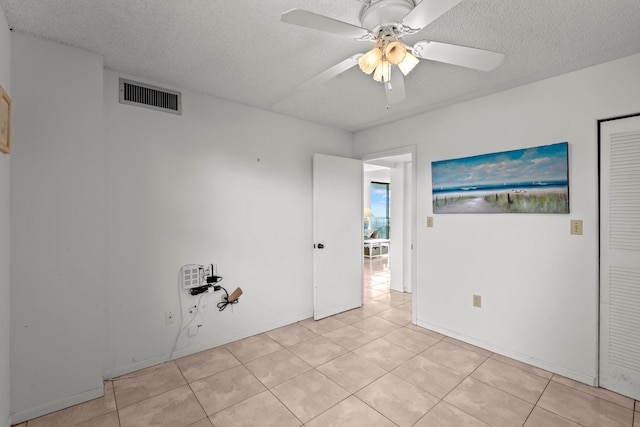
[[338, 254], [620, 256]]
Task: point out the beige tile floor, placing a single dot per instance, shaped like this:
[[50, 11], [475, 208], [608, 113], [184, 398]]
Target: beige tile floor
[[365, 367]]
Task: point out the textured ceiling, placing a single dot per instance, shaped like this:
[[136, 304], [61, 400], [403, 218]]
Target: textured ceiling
[[240, 51]]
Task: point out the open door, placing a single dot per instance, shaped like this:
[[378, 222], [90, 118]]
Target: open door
[[620, 256], [337, 233]]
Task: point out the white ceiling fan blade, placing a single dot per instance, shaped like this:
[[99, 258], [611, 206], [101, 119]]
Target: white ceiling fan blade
[[426, 12], [308, 19], [478, 59], [395, 87], [332, 72]]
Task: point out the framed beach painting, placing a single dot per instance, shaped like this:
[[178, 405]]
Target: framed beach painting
[[529, 180], [5, 121]]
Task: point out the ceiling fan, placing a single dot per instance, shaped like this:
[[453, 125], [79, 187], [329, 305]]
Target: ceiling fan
[[384, 23]]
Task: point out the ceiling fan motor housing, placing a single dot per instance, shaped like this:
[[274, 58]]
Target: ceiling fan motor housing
[[384, 13]]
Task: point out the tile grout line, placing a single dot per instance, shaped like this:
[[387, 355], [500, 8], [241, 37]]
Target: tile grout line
[[387, 372], [442, 400], [538, 400], [271, 392], [206, 416], [348, 351]]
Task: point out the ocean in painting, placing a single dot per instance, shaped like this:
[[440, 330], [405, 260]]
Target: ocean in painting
[[532, 180]]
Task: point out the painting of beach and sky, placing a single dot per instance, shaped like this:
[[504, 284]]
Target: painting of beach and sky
[[531, 180]]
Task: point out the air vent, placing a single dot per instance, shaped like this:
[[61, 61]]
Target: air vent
[[156, 98]]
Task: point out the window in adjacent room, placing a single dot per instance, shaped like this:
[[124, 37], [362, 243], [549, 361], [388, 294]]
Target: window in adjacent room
[[380, 208]]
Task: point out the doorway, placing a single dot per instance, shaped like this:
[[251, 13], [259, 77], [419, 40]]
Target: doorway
[[393, 264], [376, 277]]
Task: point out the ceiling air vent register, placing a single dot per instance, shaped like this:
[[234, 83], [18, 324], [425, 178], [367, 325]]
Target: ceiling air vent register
[[156, 98]]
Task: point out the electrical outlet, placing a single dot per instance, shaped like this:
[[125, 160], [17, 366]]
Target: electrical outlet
[[477, 301], [168, 318]]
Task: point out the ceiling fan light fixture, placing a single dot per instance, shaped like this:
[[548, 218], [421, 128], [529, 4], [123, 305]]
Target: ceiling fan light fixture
[[408, 63], [395, 52], [370, 60], [382, 72], [386, 23]]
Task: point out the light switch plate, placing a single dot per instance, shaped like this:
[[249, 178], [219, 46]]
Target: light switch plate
[[576, 227], [429, 221]]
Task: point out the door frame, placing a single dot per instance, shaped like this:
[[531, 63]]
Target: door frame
[[599, 197], [412, 150]]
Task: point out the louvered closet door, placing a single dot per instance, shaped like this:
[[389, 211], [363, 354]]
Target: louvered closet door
[[620, 256]]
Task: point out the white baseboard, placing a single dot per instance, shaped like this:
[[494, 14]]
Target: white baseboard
[[186, 351], [47, 408], [524, 358]]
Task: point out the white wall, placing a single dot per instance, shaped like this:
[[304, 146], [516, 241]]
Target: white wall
[[396, 223], [57, 227], [5, 82], [224, 184], [407, 227], [539, 285], [400, 206], [109, 200]]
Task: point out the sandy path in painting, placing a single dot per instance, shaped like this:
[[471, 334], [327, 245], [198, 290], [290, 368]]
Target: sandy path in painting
[[476, 205]]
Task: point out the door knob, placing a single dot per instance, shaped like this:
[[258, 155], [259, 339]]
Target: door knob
[[320, 246]]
